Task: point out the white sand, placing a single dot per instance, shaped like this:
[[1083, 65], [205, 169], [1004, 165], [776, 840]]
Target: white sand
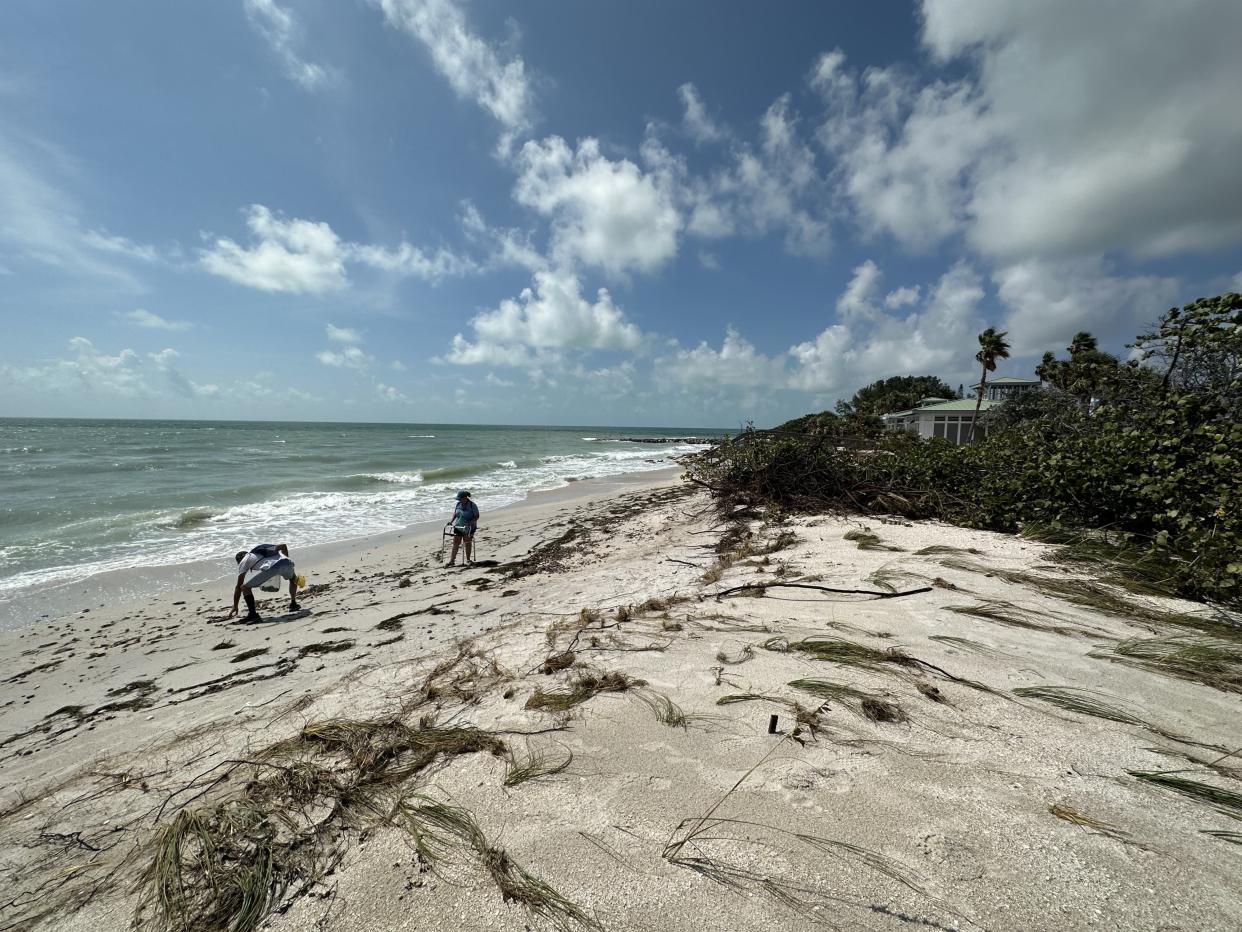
[[955, 800]]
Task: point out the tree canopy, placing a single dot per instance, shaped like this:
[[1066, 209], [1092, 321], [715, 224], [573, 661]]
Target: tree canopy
[[897, 393]]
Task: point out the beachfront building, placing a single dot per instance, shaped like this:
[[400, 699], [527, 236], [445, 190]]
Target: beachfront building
[[949, 419], [1004, 388]]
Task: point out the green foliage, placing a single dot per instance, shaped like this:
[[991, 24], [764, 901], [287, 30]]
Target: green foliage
[[1157, 464], [894, 394]]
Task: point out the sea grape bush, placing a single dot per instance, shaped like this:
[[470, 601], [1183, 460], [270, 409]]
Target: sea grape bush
[[1154, 459]]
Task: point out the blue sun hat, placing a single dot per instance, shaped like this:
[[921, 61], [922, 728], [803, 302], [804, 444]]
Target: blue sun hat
[[462, 494]]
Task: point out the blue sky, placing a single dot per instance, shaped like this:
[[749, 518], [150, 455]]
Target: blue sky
[[632, 213]]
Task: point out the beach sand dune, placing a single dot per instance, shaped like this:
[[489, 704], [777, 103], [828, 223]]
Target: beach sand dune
[[581, 733]]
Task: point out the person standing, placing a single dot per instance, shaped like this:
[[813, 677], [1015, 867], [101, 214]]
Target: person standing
[[267, 561], [465, 522]]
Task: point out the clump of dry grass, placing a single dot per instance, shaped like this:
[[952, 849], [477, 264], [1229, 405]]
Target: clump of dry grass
[[838, 650], [746, 653], [968, 644], [555, 662], [585, 684], [279, 821], [437, 826], [869, 705], [1082, 701], [1074, 817], [892, 661], [1099, 705], [1006, 613], [881, 710], [535, 764], [666, 711], [869, 540], [1225, 801], [1103, 598], [1213, 662]]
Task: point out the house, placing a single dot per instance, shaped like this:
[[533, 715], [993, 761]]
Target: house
[[949, 419], [1005, 387]]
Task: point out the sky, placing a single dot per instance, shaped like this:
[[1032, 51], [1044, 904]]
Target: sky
[[638, 212]]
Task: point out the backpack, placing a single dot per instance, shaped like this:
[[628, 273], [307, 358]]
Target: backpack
[[265, 551], [465, 516]]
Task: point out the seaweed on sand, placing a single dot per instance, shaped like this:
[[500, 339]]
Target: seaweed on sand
[[436, 827], [968, 644], [279, 821], [1006, 613], [585, 684], [1213, 662], [535, 764], [666, 711], [1225, 801], [702, 844], [892, 661], [1099, 705], [876, 708], [869, 540], [1074, 817], [1103, 598]]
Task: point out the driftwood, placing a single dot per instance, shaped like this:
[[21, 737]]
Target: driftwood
[[789, 585]]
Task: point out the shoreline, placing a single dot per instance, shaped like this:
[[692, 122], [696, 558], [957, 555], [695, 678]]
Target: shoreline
[[101, 589]]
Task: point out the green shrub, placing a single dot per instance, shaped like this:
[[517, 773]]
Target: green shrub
[[1157, 465]]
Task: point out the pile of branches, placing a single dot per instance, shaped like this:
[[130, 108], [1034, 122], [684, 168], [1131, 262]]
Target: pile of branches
[[1150, 458], [817, 471]]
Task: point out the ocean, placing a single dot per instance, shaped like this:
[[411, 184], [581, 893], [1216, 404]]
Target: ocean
[[81, 497]]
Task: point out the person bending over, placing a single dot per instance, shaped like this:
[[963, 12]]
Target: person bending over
[[267, 561], [465, 523]]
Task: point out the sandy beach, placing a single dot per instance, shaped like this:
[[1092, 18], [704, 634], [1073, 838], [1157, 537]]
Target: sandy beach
[[629, 728]]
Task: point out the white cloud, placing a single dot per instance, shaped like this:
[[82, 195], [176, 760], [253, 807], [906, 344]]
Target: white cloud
[[555, 315], [900, 297], [1236, 284], [902, 151], [464, 353], [774, 186], [604, 213], [391, 393], [120, 245], [708, 260], [349, 357], [695, 119], [299, 256], [935, 339], [1048, 301], [412, 261], [281, 31], [492, 379], [40, 221], [508, 247], [1072, 135], [343, 334], [140, 317], [474, 68], [397, 366], [124, 374], [859, 297], [307, 257], [737, 364]]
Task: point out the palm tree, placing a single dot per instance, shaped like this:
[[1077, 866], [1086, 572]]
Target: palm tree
[[992, 346]]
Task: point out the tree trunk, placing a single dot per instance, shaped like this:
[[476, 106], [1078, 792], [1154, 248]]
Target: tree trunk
[[983, 381]]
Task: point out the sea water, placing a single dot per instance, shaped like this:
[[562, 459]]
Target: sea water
[[81, 497]]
